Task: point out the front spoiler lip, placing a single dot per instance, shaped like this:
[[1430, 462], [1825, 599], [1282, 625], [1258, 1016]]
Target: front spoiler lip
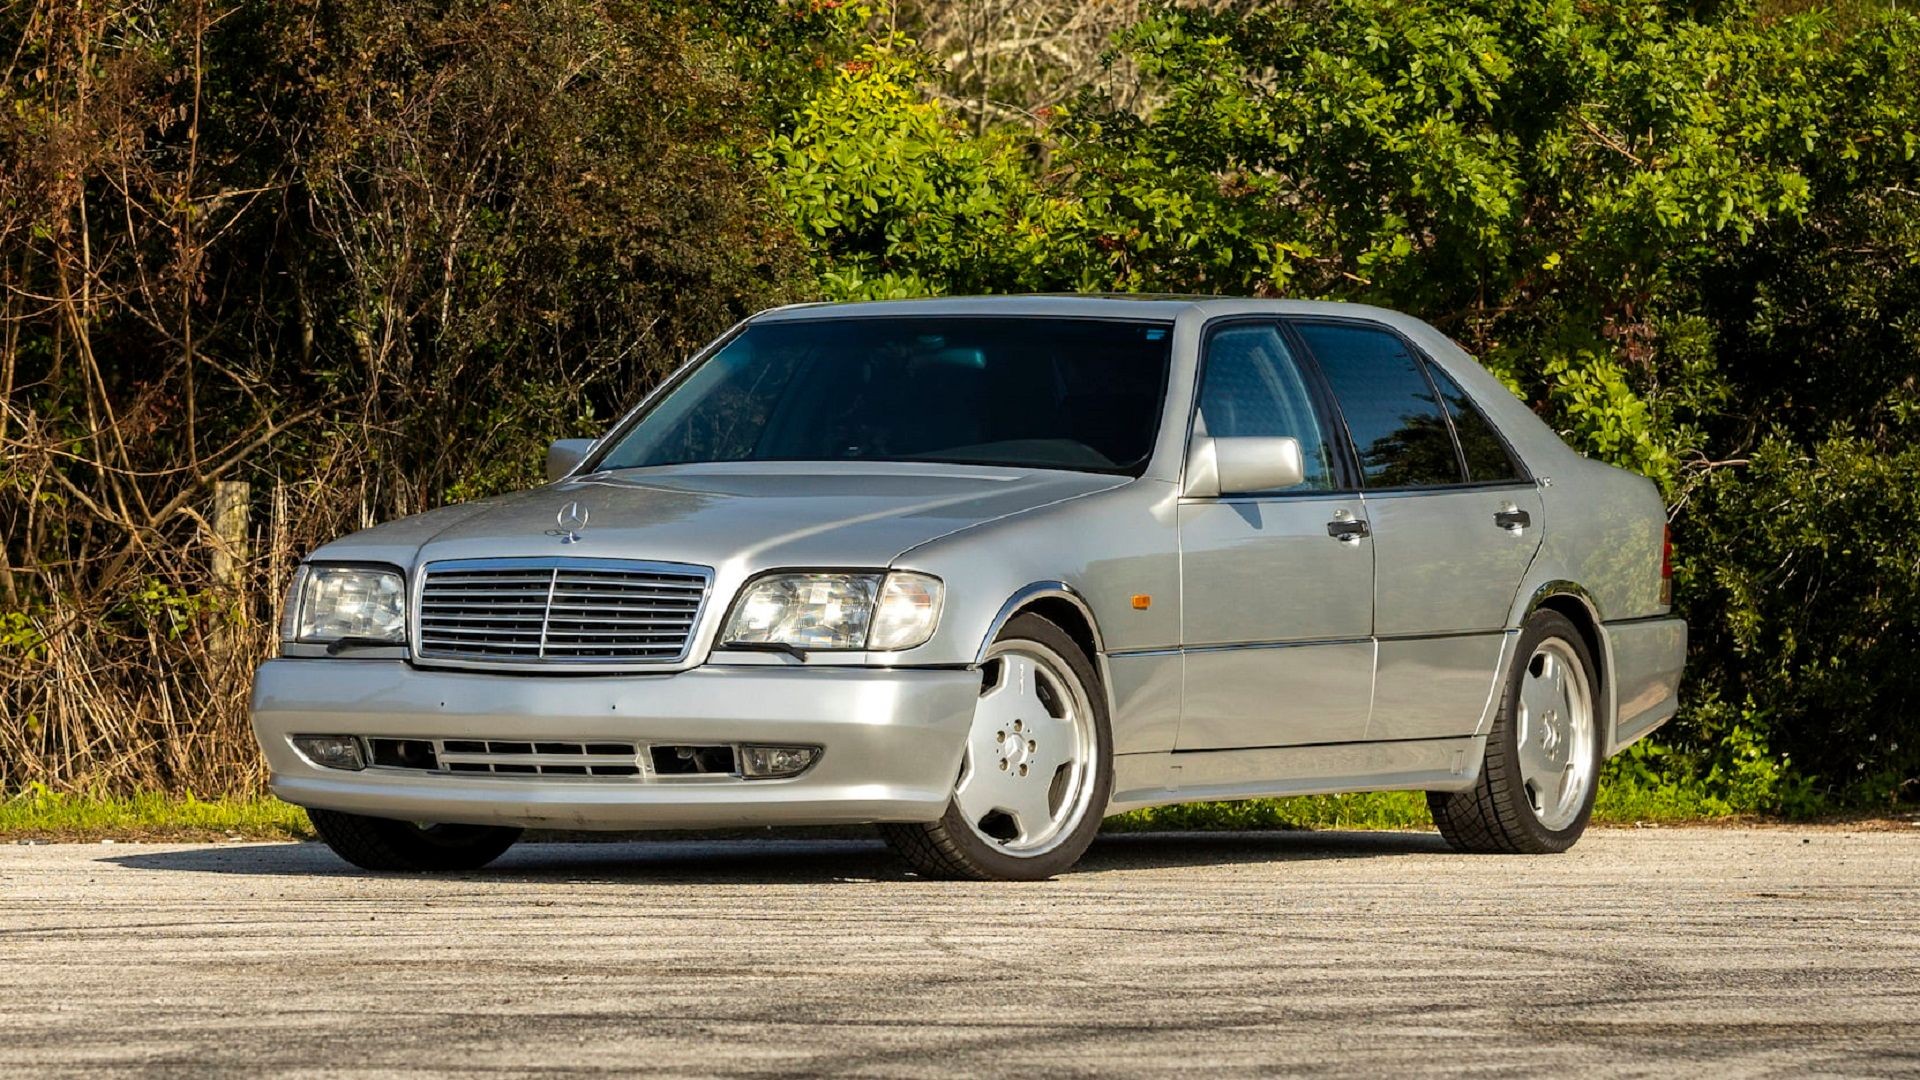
[[610, 805], [892, 741]]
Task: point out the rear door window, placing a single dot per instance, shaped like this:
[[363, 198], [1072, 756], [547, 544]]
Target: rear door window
[[1488, 461], [1399, 431]]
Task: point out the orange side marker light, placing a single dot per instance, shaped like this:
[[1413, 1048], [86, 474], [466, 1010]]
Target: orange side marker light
[[1141, 601]]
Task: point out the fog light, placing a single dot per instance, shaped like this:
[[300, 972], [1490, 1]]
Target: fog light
[[331, 751], [769, 762]]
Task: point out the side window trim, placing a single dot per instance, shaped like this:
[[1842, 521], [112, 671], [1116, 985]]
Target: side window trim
[[1421, 360], [1524, 474], [1345, 471], [1346, 458]]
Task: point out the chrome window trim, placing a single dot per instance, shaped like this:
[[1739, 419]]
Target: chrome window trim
[[1422, 360]]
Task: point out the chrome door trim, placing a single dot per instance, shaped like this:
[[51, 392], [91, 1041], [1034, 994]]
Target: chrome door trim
[[1450, 489], [1230, 646]]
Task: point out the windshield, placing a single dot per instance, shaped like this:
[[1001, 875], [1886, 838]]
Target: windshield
[[1080, 394]]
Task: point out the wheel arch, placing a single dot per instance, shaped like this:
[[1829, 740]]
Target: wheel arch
[[1061, 605], [1576, 604]]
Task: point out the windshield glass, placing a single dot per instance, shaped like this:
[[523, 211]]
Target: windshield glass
[[1080, 394]]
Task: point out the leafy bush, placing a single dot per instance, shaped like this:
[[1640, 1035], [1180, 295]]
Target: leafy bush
[[897, 198], [366, 255], [370, 256]]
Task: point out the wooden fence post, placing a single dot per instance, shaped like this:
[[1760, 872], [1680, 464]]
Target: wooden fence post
[[231, 499]]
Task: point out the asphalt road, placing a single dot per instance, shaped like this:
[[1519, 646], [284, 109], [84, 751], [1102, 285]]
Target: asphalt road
[[1712, 951]]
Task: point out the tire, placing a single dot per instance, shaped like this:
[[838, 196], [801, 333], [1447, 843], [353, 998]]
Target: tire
[[1041, 704], [372, 843], [1514, 806]]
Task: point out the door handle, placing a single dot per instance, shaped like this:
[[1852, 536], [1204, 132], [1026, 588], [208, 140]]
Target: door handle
[[1347, 530], [1512, 520]]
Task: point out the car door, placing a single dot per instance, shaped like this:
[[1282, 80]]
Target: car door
[[1277, 587], [1455, 521]]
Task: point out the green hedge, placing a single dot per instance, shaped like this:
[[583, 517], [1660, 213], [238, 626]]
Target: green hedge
[[369, 256]]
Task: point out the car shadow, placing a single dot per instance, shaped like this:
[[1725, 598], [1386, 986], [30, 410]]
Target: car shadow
[[780, 860]]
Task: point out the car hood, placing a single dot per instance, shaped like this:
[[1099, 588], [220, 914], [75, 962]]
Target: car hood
[[741, 516]]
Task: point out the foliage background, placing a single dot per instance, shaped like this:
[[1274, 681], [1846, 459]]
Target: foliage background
[[369, 257]]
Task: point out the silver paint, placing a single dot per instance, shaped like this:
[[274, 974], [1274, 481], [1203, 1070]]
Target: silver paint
[[1267, 657]]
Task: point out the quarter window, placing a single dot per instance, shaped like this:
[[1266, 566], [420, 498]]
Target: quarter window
[[1486, 456], [1253, 387], [1398, 429]]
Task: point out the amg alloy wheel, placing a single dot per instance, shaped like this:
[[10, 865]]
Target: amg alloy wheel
[[1536, 787], [1033, 784]]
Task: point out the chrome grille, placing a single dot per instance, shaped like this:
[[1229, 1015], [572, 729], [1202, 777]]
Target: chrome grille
[[569, 611]]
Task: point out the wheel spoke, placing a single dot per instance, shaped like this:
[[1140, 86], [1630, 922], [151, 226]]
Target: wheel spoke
[[985, 788], [1017, 747], [1556, 679], [1028, 805], [1054, 734], [1538, 697], [1012, 696], [1535, 767], [1555, 790]]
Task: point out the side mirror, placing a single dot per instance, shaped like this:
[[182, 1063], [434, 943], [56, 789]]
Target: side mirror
[[564, 455], [1243, 465]]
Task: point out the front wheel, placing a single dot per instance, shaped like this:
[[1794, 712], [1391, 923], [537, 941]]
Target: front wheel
[[1536, 787], [1033, 785], [372, 843]]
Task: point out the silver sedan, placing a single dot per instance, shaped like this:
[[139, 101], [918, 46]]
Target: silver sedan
[[983, 571]]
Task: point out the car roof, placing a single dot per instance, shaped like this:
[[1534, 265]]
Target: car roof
[[1076, 305]]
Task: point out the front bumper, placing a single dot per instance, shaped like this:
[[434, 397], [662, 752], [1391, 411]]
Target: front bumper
[[892, 740]]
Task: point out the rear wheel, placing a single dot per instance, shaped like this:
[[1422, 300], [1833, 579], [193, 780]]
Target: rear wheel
[[1033, 785], [1536, 787], [373, 843]]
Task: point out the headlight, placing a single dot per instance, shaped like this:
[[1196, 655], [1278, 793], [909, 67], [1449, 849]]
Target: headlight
[[332, 603], [882, 612]]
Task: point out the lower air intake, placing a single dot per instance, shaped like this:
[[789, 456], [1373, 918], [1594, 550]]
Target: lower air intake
[[509, 757]]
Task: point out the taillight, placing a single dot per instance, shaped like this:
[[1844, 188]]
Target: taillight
[[1666, 567]]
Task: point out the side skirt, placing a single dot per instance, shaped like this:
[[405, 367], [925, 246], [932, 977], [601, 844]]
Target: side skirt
[[1444, 764]]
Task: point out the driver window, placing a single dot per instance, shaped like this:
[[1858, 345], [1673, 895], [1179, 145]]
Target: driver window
[[1252, 386]]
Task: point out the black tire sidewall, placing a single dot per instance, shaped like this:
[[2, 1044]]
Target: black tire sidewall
[[384, 844], [999, 864], [1540, 627]]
